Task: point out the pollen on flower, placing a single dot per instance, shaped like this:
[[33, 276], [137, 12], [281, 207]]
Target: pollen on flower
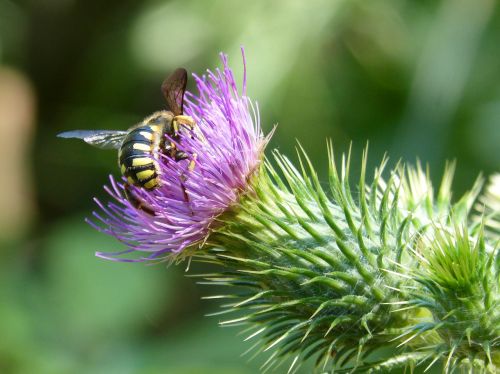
[[223, 152]]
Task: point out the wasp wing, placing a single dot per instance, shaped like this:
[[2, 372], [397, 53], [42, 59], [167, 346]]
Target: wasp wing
[[104, 139], [173, 89]]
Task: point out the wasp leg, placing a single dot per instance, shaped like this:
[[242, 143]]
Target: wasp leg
[[188, 122], [184, 190], [171, 151], [136, 202], [184, 120], [179, 155], [192, 162], [183, 156]]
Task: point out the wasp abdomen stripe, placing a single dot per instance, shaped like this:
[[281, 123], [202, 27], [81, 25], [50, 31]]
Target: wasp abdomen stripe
[[137, 169], [143, 134], [137, 156]]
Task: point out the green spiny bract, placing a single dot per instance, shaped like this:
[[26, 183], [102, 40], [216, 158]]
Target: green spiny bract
[[367, 281], [460, 287], [488, 209]]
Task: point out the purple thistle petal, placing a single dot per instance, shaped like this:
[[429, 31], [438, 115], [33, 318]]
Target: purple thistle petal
[[229, 145]]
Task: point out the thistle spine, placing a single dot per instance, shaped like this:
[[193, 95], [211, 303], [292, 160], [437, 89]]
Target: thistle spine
[[337, 278]]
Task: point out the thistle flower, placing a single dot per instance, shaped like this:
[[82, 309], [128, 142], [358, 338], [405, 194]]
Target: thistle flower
[[228, 146], [394, 274]]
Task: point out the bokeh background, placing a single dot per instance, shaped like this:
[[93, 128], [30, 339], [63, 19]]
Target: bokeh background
[[414, 78]]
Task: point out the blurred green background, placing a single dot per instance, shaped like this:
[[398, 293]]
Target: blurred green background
[[414, 78]]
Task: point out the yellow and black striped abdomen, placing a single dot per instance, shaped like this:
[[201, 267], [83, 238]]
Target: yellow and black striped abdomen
[[137, 156]]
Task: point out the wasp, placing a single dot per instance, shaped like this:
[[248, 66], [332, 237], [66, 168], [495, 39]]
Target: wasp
[[141, 146]]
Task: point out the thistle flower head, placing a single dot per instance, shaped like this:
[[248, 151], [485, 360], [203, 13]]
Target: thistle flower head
[[393, 274], [225, 148]]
